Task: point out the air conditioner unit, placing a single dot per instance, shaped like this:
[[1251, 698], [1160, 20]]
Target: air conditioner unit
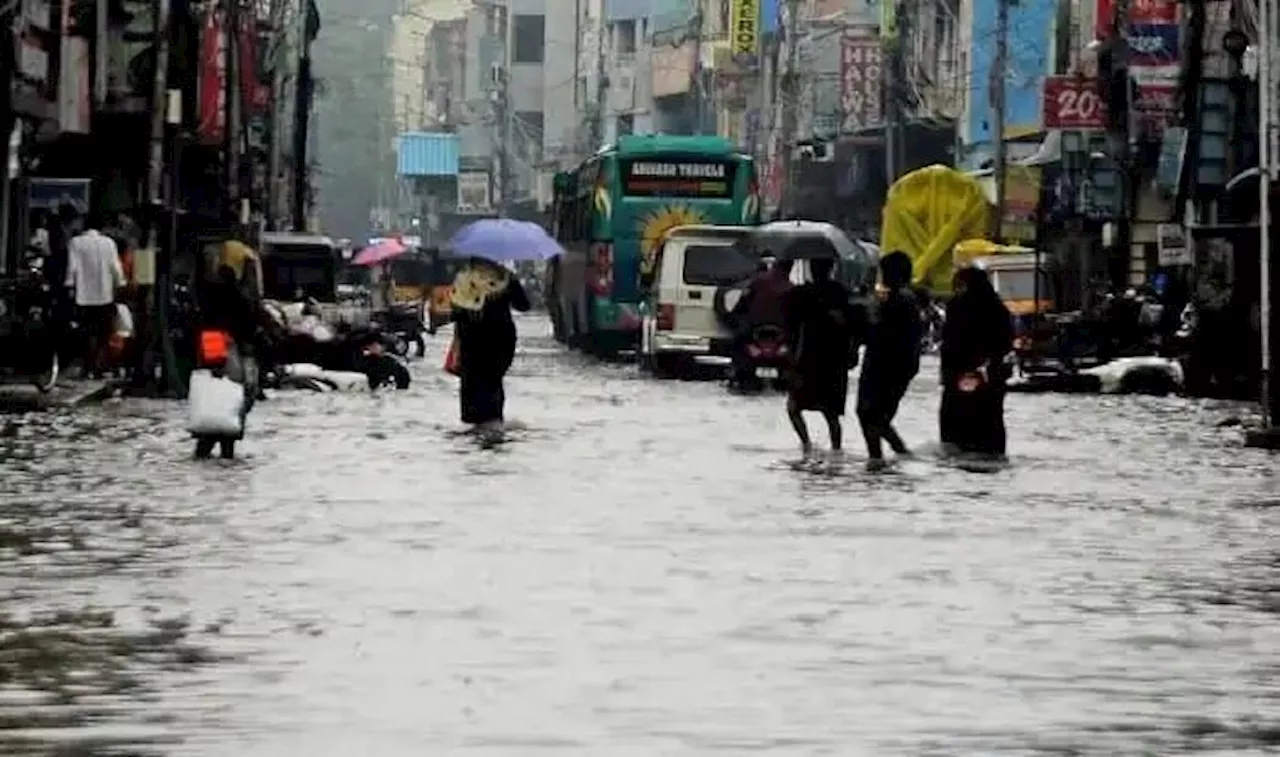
[[815, 152]]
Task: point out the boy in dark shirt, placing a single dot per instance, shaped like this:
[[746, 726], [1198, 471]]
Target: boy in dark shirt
[[892, 360]]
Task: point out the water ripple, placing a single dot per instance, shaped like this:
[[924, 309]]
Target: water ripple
[[635, 573]]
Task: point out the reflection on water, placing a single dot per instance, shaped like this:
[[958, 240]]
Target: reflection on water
[[635, 571]]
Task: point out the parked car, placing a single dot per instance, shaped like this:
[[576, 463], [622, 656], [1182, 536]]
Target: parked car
[[679, 325]]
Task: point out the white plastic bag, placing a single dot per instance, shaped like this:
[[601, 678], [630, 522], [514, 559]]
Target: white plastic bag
[[214, 405], [124, 320]]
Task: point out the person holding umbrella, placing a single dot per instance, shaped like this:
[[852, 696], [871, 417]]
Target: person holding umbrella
[[484, 295]]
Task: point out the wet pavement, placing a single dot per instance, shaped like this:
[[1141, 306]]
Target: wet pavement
[[635, 573]]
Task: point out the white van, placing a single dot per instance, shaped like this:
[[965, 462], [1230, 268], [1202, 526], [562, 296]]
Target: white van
[[680, 326]]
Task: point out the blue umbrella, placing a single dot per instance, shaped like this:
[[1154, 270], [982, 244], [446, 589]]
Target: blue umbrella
[[504, 239]]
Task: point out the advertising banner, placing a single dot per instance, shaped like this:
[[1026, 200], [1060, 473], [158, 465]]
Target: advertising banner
[[473, 192], [212, 72], [1141, 12], [861, 78], [254, 93], [1153, 44], [744, 20]]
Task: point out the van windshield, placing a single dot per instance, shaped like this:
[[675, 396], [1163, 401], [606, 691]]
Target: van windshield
[[1019, 284], [716, 265]]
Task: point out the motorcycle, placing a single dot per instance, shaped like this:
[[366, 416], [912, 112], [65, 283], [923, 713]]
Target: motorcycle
[[407, 327], [368, 350], [28, 335], [764, 356]]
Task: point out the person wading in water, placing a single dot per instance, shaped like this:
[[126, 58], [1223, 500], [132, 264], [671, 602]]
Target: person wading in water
[[976, 337], [484, 294], [760, 306], [892, 360], [821, 326]]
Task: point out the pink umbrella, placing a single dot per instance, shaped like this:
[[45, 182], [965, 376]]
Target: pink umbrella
[[379, 253]]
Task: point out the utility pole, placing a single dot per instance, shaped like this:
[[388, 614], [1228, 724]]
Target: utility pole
[[894, 82], [602, 87], [1120, 101], [502, 114], [1267, 161], [8, 123], [789, 101], [278, 57], [1000, 75], [302, 116], [577, 54], [231, 104], [159, 107], [696, 90]]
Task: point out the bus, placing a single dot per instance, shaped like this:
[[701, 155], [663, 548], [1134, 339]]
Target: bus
[[610, 215]]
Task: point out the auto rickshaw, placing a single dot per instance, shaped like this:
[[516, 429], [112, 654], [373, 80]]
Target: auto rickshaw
[[1023, 282], [443, 269], [298, 267]]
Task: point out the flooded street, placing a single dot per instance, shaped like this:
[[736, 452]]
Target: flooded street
[[636, 573]]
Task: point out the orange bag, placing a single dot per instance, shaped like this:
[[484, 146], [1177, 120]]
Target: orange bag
[[453, 359], [214, 348]]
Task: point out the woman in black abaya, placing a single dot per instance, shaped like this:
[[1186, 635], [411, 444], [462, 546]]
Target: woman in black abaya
[[976, 337], [483, 298]]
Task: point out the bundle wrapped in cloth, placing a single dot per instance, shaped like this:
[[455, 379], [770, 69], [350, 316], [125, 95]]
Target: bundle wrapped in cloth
[[474, 285]]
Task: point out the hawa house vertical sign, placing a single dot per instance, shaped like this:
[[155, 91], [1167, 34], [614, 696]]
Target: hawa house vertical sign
[[861, 78], [212, 84]]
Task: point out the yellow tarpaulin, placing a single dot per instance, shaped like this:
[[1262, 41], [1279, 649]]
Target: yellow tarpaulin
[[926, 214]]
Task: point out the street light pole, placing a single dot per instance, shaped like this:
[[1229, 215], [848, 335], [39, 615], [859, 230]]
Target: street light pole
[[789, 101], [1000, 76]]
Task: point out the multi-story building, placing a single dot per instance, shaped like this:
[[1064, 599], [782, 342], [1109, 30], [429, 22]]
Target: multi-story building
[[506, 82]]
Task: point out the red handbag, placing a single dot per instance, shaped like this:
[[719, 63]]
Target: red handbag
[[453, 358]]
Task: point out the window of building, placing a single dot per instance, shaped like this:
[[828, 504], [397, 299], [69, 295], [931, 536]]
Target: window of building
[[530, 39], [624, 33], [626, 124], [644, 31], [725, 12]]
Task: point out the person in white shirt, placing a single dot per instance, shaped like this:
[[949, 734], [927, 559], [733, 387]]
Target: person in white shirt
[[94, 275]]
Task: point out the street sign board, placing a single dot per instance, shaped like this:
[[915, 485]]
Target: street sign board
[[1072, 102], [1172, 247]]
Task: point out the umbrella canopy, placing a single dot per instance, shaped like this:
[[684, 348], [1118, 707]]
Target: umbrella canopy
[[502, 240], [379, 253]]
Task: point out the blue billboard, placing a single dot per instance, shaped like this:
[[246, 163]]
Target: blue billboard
[[769, 10], [1031, 24]]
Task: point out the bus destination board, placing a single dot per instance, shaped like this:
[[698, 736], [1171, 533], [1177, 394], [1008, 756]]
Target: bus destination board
[[678, 178]]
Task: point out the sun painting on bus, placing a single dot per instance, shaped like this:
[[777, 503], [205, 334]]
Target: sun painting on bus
[[656, 223]]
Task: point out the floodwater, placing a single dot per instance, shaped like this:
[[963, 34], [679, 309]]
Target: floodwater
[[635, 573]]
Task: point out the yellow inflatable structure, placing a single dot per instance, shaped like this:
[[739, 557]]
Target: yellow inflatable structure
[[927, 213]]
